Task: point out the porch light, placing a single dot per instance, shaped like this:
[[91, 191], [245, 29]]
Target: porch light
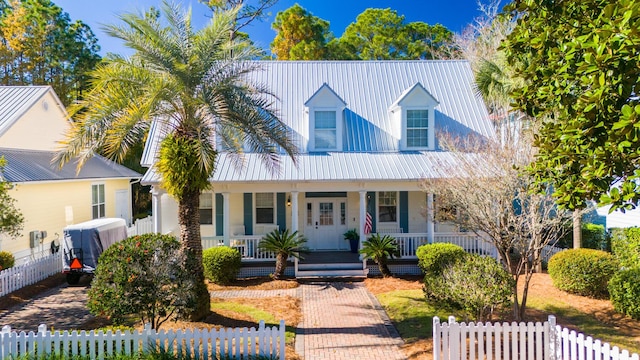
[[289, 200]]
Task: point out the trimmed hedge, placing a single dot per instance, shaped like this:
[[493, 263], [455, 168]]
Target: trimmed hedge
[[625, 245], [433, 258], [221, 264], [624, 291], [583, 272], [7, 260]]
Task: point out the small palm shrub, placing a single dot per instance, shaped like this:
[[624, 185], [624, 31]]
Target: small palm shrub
[[380, 249], [624, 292], [583, 272], [221, 264], [284, 244], [625, 245], [433, 258], [7, 260], [475, 284]]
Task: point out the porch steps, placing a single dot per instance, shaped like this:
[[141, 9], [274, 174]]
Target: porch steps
[[331, 271]]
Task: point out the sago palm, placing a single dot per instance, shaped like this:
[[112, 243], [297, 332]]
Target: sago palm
[[380, 249], [284, 244], [196, 86]]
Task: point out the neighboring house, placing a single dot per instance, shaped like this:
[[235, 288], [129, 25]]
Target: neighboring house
[[366, 131], [32, 122]]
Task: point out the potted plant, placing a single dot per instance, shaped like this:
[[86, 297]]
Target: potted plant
[[354, 239]]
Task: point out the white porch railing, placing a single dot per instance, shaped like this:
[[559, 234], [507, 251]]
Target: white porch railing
[[17, 277], [409, 243], [194, 343], [525, 341], [247, 245], [141, 226], [470, 242]]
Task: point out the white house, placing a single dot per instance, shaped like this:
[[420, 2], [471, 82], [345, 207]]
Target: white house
[[367, 136], [32, 122]]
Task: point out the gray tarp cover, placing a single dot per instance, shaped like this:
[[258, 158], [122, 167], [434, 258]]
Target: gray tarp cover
[[89, 239]]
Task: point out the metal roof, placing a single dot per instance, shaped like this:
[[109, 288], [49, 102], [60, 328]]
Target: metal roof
[[371, 136], [32, 165], [333, 166], [16, 100]]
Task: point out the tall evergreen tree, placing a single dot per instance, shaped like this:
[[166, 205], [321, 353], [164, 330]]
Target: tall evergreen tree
[[300, 35], [196, 84]]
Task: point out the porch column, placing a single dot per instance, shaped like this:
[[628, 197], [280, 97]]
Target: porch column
[[294, 211], [225, 218], [430, 219], [363, 215], [156, 207]]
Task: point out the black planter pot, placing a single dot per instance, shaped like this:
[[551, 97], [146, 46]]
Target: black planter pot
[[354, 245]]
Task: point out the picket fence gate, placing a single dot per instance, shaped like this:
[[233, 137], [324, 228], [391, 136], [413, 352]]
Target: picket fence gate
[[235, 343], [17, 277], [523, 341]]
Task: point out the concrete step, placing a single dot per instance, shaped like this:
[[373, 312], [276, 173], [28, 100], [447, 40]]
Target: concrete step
[[333, 274], [327, 266]]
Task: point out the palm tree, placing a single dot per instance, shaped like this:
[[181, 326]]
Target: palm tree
[[196, 85], [284, 245], [380, 249]]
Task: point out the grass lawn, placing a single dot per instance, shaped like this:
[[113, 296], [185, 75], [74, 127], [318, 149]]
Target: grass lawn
[[413, 316]]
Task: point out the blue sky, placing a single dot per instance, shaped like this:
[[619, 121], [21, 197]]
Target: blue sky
[[454, 14]]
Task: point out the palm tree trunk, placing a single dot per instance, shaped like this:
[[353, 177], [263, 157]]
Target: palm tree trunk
[[281, 265], [189, 220], [384, 268]]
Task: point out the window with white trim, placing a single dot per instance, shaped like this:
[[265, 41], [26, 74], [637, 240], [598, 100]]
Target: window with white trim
[[97, 201], [265, 208], [206, 209], [325, 132], [388, 206], [417, 128]]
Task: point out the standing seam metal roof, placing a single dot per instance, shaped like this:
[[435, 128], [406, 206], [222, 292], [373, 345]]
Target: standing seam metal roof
[[15, 101]]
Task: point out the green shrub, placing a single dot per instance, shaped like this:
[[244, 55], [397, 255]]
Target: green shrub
[[582, 271], [6, 260], [624, 292], [221, 264], [433, 258], [594, 236], [477, 285], [625, 245], [143, 277]]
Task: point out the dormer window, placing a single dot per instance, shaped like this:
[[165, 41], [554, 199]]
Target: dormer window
[[324, 110], [417, 128], [414, 111], [325, 132]]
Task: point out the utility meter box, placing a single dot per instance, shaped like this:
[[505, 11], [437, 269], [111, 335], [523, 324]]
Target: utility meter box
[[34, 238]]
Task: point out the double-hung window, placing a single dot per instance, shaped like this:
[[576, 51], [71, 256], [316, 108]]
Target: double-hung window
[[388, 206], [325, 131], [417, 128], [206, 209], [97, 201], [265, 208]]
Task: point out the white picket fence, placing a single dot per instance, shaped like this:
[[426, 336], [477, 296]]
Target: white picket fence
[[523, 341], [141, 226], [229, 343], [17, 277]]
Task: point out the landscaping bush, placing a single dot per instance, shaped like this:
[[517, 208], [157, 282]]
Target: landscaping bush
[[476, 285], [624, 292], [433, 258], [582, 271], [625, 245], [143, 277], [6, 260], [594, 236], [221, 264], [381, 248]]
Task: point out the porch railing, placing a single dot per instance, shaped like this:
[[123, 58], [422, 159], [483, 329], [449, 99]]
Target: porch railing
[[247, 245], [470, 242]]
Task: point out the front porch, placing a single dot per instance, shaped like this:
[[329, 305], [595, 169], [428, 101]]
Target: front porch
[[317, 263]]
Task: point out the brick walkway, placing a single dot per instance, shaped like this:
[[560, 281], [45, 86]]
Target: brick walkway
[[344, 321]]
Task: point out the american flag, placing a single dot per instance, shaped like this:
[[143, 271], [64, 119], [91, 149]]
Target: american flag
[[368, 223]]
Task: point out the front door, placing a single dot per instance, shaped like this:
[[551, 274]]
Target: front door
[[325, 222]]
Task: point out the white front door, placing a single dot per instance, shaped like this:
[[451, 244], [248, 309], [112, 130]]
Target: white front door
[[325, 222]]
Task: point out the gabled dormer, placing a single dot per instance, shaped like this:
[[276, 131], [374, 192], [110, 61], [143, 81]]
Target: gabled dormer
[[415, 111], [324, 111]]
